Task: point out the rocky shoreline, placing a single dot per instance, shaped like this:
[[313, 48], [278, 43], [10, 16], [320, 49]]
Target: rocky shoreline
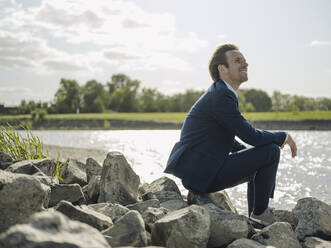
[[107, 206]]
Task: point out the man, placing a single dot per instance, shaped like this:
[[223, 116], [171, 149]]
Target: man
[[208, 158]]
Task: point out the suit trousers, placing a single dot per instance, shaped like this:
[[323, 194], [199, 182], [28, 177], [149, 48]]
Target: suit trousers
[[257, 166]]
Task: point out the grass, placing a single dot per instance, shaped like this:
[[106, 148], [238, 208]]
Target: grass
[[179, 117], [24, 147]]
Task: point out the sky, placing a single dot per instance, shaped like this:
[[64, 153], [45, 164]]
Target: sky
[[164, 44]]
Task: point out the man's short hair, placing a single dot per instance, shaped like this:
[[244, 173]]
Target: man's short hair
[[219, 58]]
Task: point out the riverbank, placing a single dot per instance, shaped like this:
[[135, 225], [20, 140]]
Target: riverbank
[[118, 124]]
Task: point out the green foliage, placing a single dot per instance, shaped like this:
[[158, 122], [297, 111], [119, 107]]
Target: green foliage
[[259, 99], [19, 147], [38, 115], [67, 97], [94, 97]]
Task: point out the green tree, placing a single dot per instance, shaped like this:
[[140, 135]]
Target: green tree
[[259, 99], [94, 97], [148, 100], [123, 93], [67, 97]]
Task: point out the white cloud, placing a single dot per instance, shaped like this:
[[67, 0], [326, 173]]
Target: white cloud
[[10, 90], [317, 43], [21, 50], [221, 36]]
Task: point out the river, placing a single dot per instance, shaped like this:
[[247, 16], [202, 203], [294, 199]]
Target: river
[[309, 174]]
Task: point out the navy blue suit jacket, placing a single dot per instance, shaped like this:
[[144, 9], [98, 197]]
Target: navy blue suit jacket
[[209, 130]]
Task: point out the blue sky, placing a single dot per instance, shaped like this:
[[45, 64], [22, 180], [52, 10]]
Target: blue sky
[[165, 44]]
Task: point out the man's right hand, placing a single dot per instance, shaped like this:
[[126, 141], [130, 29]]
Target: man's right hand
[[291, 144]]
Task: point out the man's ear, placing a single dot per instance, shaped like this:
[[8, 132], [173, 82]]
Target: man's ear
[[220, 68]]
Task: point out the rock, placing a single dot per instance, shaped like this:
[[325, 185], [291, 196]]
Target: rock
[[119, 183], [86, 215], [93, 188], [114, 211], [20, 196], [128, 230], [46, 165], [47, 230], [5, 160], [219, 199], [285, 216], [246, 243], [223, 200], [185, 228], [73, 171], [226, 226], [93, 168], [162, 196], [163, 189], [44, 179], [173, 205], [313, 242], [151, 215], [314, 218], [142, 206], [68, 192], [279, 234]]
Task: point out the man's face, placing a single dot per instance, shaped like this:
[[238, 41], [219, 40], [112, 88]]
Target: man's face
[[237, 70]]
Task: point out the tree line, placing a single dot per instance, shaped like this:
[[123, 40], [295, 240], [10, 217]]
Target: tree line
[[123, 94]]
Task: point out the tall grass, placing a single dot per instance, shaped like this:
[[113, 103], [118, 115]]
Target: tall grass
[[24, 147], [20, 147]]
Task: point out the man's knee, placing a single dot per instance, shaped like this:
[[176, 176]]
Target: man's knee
[[273, 151]]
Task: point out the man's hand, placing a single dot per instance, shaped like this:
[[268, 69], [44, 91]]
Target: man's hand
[[291, 144]]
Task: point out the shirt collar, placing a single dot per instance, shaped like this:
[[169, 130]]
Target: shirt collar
[[230, 88]]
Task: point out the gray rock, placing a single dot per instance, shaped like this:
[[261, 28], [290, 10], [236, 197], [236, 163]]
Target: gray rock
[[46, 179], [5, 157], [85, 215], [173, 205], [314, 218], [162, 196], [246, 243], [128, 230], [151, 215], [314, 242], [68, 192], [46, 165], [48, 230], [119, 183], [226, 226], [93, 188], [114, 211], [73, 171], [279, 234], [185, 228], [219, 199], [223, 200], [285, 216], [20, 196], [93, 168], [142, 206]]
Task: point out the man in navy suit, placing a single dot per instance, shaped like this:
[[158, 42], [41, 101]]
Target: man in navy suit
[[208, 158]]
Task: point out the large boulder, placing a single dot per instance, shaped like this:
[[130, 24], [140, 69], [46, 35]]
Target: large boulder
[[93, 168], [85, 215], [119, 183], [163, 189], [47, 230], [142, 206], [285, 216], [279, 234], [93, 188], [151, 215], [20, 196], [185, 228], [129, 230], [314, 242], [173, 205], [68, 192], [114, 211], [46, 165], [246, 243], [73, 171], [314, 218], [226, 226]]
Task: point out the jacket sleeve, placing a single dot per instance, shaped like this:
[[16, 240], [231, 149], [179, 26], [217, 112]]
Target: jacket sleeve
[[225, 110], [237, 146]]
